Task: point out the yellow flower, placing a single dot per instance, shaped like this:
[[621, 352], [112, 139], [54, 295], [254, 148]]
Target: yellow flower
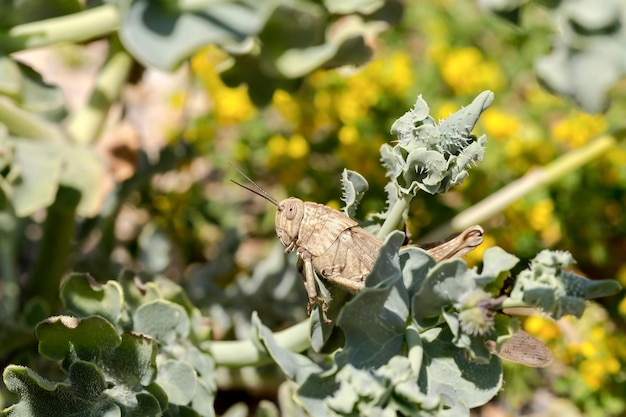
[[541, 327], [286, 105], [445, 110], [276, 146], [297, 146], [540, 214], [348, 135], [334, 204], [467, 72], [588, 349], [499, 125], [230, 105], [578, 128], [538, 97], [592, 374]]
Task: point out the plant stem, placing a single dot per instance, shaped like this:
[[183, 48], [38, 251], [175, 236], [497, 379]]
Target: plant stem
[[55, 246], [245, 353], [28, 125], [533, 180], [9, 289], [396, 215], [86, 124], [76, 27]]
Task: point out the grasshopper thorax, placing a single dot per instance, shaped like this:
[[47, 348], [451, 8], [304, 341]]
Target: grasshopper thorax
[[289, 217]]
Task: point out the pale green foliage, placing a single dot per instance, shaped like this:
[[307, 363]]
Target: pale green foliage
[[548, 286], [589, 47]]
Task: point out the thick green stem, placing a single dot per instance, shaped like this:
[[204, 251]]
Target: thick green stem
[[28, 125], [535, 179], [398, 211], [86, 124], [245, 353], [77, 27], [9, 289], [55, 246]]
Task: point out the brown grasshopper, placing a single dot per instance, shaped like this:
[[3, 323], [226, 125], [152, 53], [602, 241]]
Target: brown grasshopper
[[333, 244]]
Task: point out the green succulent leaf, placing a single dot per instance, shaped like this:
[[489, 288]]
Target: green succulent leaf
[[178, 380], [444, 285], [497, 264], [433, 157], [83, 296], [382, 304], [163, 38], [65, 337], [105, 372], [163, 320], [81, 393], [546, 285], [448, 374], [41, 166]]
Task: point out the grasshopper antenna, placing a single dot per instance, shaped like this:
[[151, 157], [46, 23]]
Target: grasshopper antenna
[[260, 191]]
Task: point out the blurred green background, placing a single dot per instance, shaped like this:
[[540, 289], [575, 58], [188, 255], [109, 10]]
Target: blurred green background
[[168, 150]]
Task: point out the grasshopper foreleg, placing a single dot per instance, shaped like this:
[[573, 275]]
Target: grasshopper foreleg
[[305, 266]]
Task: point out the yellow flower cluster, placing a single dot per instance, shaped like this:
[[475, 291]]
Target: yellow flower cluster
[[598, 362], [466, 71], [230, 105], [586, 344], [294, 147], [543, 328], [578, 128], [499, 125], [332, 103]]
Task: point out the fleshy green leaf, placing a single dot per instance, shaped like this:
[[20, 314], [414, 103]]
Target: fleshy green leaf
[[445, 284], [547, 286], [63, 337], [163, 320], [178, 380], [382, 304], [460, 383], [164, 38], [83, 296]]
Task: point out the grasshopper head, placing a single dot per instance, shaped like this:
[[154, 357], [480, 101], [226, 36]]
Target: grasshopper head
[[288, 219]]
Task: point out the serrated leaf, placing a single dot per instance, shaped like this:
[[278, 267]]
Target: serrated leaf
[[84, 393], [384, 305], [83, 296], [353, 186], [39, 397]]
